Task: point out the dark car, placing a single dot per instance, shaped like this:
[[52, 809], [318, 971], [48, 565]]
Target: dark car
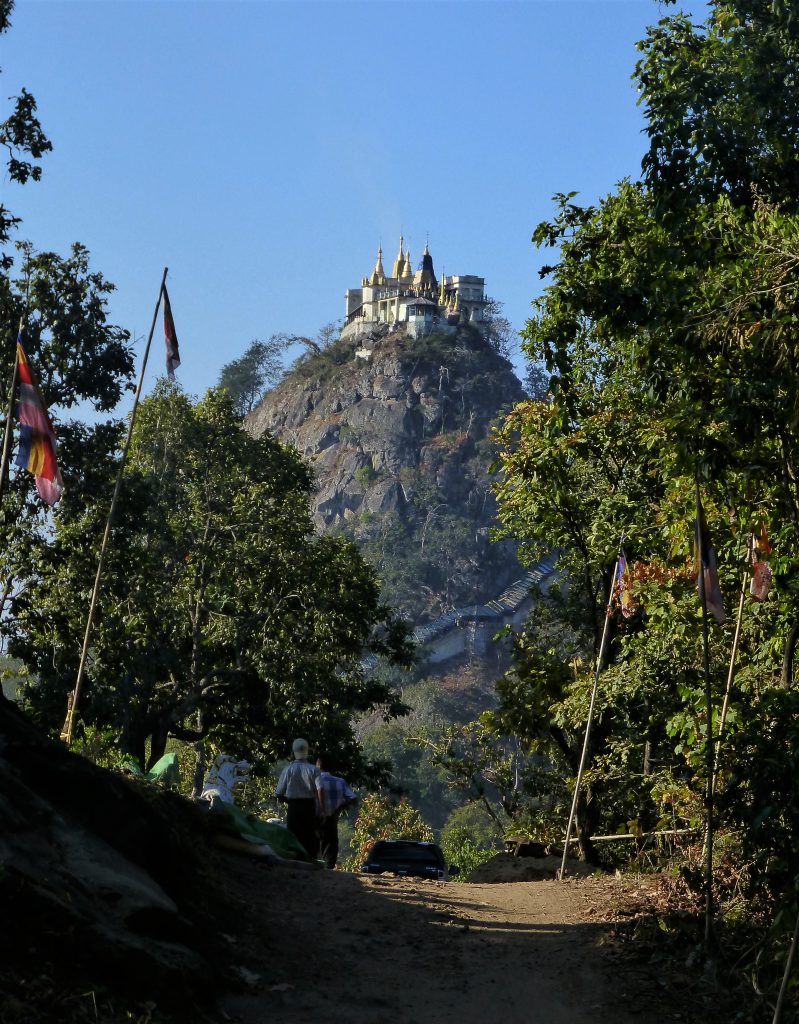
[[407, 857]]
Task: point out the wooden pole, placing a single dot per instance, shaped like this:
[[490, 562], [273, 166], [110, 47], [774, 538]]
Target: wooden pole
[[731, 672], [584, 754], [786, 975], [9, 421], [69, 724], [709, 746]]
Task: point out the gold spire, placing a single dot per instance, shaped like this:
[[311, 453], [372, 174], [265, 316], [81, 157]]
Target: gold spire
[[399, 262], [378, 274]]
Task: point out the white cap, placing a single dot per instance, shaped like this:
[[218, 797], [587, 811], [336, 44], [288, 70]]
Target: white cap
[[300, 748]]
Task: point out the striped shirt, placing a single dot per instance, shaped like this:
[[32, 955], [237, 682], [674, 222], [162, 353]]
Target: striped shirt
[[334, 793]]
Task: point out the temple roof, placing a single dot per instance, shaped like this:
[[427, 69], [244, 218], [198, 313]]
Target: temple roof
[[399, 262], [425, 277], [378, 274]]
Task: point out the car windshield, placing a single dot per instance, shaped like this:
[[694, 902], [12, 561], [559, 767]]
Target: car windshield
[[405, 853]]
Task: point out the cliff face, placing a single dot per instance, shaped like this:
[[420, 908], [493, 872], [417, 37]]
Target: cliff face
[[398, 430]]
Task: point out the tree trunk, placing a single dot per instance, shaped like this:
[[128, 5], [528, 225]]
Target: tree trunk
[[199, 767], [586, 820], [132, 739], [790, 651], [158, 738]]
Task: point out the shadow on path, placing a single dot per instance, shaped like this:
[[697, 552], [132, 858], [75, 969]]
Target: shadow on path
[[336, 947]]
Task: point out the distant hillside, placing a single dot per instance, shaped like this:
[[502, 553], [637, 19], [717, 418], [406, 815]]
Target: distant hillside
[[398, 430]]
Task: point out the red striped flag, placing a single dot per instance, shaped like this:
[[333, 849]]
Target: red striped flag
[[762, 574], [708, 569], [171, 338], [37, 444]]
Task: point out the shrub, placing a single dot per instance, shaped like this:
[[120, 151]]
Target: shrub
[[470, 838], [381, 818], [365, 476]]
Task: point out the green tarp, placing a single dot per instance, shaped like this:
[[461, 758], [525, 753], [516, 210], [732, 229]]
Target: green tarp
[[233, 821], [165, 771]]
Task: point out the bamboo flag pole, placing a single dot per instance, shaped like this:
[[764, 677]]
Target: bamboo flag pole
[[584, 754], [10, 419], [731, 671], [69, 725], [786, 975], [700, 542]]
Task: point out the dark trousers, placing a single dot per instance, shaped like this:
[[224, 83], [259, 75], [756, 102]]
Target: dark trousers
[[301, 820], [329, 841]]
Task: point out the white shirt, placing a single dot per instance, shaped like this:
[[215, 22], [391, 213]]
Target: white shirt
[[298, 781]]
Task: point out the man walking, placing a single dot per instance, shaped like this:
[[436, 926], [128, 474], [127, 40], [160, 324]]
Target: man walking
[[297, 788], [334, 796]]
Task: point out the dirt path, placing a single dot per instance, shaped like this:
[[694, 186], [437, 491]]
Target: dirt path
[[336, 947]]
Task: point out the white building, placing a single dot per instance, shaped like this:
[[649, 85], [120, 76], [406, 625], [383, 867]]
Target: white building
[[417, 299]]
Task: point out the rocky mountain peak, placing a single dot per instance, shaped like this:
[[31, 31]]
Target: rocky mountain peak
[[398, 430]]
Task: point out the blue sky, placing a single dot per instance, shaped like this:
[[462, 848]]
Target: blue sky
[[262, 150]]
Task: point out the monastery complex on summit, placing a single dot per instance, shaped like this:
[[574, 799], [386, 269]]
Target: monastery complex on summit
[[415, 298]]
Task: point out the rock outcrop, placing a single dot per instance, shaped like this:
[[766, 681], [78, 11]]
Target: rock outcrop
[[398, 430], [101, 882]]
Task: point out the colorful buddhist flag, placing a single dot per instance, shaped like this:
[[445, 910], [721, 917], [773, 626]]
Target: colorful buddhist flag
[[37, 443], [624, 593], [171, 338], [762, 574], [713, 597]]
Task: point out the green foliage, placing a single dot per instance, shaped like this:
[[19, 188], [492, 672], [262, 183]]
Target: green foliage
[[536, 382], [498, 330], [81, 359], [720, 104], [668, 330], [365, 476], [762, 788], [22, 137], [100, 746], [381, 818], [323, 355], [501, 774], [221, 613], [249, 377], [413, 773], [463, 852], [12, 675], [470, 838]]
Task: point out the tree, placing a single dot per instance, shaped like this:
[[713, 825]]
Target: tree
[[668, 329], [221, 614], [499, 330], [381, 818], [469, 838], [536, 382], [721, 105], [325, 341], [79, 356], [22, 136], [249, 377], [328, 334]]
